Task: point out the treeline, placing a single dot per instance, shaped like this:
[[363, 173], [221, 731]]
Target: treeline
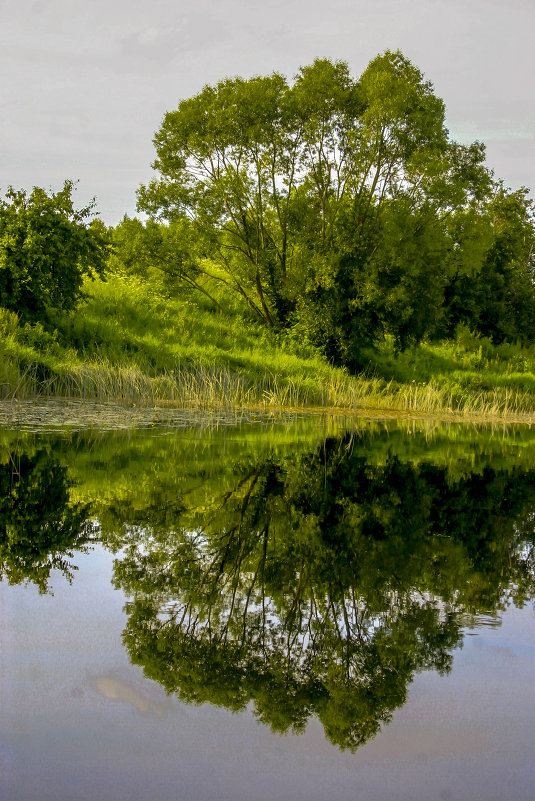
[[333, 207]]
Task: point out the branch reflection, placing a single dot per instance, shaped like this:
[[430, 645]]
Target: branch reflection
[[320, 584]]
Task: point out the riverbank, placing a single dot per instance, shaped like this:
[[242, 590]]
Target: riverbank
[[144, 347]]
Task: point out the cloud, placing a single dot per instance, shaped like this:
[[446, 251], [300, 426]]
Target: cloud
[[157, 45]]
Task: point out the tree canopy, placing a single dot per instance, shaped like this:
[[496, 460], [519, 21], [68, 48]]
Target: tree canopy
[[342, 206], [46, 248], [492, 285]]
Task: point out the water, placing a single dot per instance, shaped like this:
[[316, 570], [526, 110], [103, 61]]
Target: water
[[293, 610]]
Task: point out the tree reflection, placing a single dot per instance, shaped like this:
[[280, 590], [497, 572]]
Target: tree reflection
[[322, 583], [39, 526]]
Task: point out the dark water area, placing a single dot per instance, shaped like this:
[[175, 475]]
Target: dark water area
[[292, 610]]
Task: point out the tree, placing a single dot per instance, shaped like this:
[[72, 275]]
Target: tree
[[313, 198], [171, 249], [492, 288], [46, 248]]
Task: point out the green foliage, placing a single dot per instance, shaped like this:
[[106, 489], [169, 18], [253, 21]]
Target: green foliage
[[466, 365], [324, 203], [173, 249], [494, 293], [46, 249], [9, 322], [330, 214], [137, 340]]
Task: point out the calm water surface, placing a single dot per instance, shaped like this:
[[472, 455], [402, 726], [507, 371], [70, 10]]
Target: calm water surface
[[274, 611]]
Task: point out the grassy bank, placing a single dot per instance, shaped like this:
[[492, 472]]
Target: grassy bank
[[143, 343]]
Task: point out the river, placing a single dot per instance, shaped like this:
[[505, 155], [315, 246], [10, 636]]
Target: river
[[276, 608]]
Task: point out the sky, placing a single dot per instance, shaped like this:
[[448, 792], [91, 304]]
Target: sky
[[84, 85]]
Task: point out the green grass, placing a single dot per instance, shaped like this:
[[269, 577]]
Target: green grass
[[143, 343]]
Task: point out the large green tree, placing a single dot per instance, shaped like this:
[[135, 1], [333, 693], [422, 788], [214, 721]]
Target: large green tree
[[323, 202], [46, 248]]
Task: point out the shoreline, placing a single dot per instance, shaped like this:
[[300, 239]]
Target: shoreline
[[74, 413]]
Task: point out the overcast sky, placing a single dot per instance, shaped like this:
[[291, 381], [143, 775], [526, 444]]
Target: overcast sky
[[85, 85]]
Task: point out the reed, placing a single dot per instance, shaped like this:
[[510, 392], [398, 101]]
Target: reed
[[212, 387]]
